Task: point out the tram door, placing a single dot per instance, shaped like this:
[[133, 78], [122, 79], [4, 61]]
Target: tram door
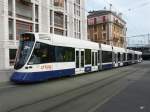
[[94, 60], [115, 59], [80, 61]]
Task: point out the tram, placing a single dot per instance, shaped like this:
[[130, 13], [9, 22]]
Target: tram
[[44, 56]]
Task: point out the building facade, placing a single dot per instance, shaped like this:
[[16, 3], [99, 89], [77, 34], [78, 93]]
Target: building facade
[[62, 17], [107, 27]]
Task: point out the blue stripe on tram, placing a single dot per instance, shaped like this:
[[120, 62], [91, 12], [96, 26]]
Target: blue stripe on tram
[[88, 69], [107, 66], [40, 76]]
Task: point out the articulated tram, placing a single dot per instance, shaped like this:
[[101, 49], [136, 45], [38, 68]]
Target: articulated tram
[[44, 56]]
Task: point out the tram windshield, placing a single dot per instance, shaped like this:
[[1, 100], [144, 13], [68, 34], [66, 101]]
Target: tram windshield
[[24, 51]]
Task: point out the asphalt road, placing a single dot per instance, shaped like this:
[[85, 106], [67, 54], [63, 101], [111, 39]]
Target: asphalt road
[[124, 89]]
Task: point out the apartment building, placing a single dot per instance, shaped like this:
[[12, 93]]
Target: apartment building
[[62, 17], [107, 27]]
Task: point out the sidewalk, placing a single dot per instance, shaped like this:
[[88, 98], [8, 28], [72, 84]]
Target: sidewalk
[[5, 75]]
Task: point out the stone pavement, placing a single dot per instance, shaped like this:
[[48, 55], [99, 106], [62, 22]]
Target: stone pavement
[[5, 75]]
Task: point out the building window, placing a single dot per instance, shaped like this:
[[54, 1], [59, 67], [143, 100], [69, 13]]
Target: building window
[[95, 28], [66, 22], [77, 28], [78, 1], [51, 18], [104, 27], [104, 18], [59, 3], [22, 27], [12, 55], [36, 28], [66, 5], [10, 7], [51, 2], [77, 8], [58, 19], [95, 20], [51, 29], [104, 36], [36, 13], [95, 37], [114, 28], [24, 9], [11, 29]]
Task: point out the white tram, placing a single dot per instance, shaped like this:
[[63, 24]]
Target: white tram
[[119, 56], [44, 56]]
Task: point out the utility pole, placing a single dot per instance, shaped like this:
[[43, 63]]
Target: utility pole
[[110, 8]]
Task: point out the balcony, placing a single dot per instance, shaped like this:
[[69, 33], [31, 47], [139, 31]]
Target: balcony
[[23, 17], [58, 8], [28, 1], [115, 39]]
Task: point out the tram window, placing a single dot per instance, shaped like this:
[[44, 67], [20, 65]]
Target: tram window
[[113, 56], [77, 59], [124, 57], [41, 54], [64, 54], [82, 58], [133, 57], [99, 56], [96, 58], [116, 56], [119, 57], [25, 47], [92, 58], [106, 56], [140, 57], [44, 53], [136, 57], [87, 56], [129, 57]]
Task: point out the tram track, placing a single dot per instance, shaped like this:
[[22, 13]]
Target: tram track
[[96, 86], [12, 86], [9, 86], [80, 92]]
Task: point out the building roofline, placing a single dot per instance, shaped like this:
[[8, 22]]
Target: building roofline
[[104, 12]]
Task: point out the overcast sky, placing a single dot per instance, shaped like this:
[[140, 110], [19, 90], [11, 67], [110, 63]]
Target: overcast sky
[[135, 12]]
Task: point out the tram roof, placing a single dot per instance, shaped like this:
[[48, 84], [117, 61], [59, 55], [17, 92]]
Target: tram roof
[[66, 41], [118, 49], [130, 51], [106, 47]]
